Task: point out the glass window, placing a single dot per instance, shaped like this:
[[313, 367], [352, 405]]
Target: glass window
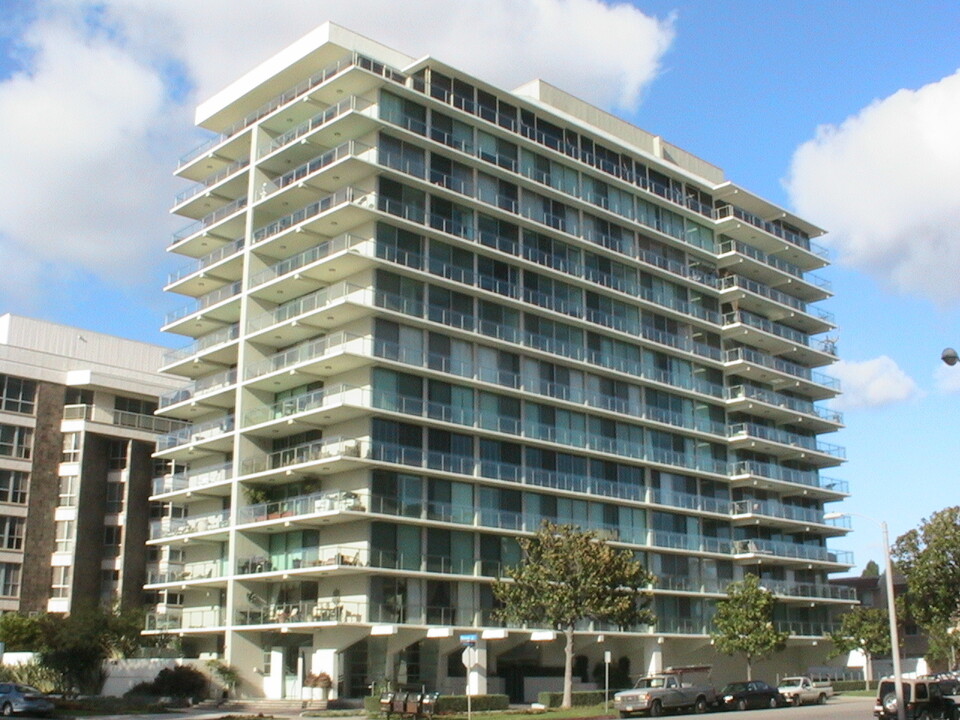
[[11, 533], [112, 540], [9, 579], [117, 454], [13, 486], [61, 581], [65, 535], [71, 447], [15, 441], [114, 497], [17, 395]]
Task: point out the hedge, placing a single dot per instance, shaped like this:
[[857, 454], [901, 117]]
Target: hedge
[[579, 698], [452, 703], [848, 685]]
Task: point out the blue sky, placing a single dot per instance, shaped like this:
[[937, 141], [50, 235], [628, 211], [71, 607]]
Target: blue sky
[[100, 96]]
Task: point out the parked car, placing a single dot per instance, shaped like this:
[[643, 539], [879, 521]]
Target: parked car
[[801, 690], [749, 695], [922, 699], [16, 698], [665, 692]]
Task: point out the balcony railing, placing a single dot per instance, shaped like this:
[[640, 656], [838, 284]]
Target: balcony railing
[[309, 351], [784, 437], [150, 423], [771, 397], [300, 260], [778, 472], [315, 451], [200, 432], [211, 340], [210, 180], [317, 121], [305, 402], [210, 219], [324, 204], [189, 571], [207, 260], [190, 479], [204, 301], [309, 303], [200, 387], [172, 527], [744, 354]]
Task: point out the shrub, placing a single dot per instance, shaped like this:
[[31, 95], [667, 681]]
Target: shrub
[[32, 673], [848, 685], [580, 698], [179, 682]]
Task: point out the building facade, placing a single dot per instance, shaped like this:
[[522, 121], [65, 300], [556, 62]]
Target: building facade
[[77, 432], [428, 315]]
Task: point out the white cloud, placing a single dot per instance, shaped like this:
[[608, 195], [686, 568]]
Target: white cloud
[[885, 184], [872, 383], [94, 123], [605, 52]]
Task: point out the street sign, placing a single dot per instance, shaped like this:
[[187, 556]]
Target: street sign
[[469, 640]]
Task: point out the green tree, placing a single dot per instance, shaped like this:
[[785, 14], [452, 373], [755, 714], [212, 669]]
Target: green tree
[[76, 645], [743, 623], [870, 570], [864, 629], [929, 559], [20, 633], [567, 575]]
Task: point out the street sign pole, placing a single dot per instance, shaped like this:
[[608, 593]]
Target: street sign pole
[[469, 643], [606, 679]]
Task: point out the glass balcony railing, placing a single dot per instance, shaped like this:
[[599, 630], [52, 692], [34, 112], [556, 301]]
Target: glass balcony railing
[[771, 471], [199, 388], [185, 572], [205, 301], [206, 261], [309, 303], [310, 401], [324, 204], [776, 548], [315, 451], [200, 432], [322, 161], [784, 437], [309, 352], [317, 121], [745, 354], [222, 336], [171, 527], [211, 180], [771, 397], [307, 257], [210, 219], [190, 479]]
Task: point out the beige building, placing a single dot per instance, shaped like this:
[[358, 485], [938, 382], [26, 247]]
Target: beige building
[[427, 314], [77, 431]]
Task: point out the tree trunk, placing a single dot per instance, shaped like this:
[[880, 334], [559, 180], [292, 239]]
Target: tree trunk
[[568, 668], [749, 669], [867, 669]]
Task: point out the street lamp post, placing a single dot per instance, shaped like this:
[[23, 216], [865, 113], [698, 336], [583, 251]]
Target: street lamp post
[[891, 605]]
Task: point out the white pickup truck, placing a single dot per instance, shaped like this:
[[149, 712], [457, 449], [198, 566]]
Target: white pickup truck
[[802, 690], [665, 692]]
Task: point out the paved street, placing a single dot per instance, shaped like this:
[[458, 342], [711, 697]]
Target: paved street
[[836, 709]]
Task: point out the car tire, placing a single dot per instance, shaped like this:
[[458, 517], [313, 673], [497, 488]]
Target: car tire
[[773, 703], [795, 701], [741, 704], [700, 706], [656, 709], [821, 699], [7, 709]]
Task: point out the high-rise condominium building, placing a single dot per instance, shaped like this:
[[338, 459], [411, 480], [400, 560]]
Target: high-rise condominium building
[[77, 432], [429, 314]]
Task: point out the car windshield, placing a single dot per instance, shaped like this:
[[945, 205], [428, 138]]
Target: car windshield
[[734, 688], [888, 687], [27, 689], [789, 682], [653, 682]]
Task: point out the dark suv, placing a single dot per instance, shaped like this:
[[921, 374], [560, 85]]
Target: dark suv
[[923, 699]]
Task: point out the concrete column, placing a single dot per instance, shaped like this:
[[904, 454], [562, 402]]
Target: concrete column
[[653, 656], [476, 662], [326, 660]]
